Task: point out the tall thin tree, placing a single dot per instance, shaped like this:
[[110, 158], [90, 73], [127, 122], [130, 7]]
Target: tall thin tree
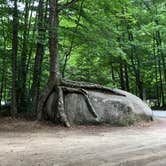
[[14, 58]]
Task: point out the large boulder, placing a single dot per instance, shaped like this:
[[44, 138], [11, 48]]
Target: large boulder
[[114, 109]]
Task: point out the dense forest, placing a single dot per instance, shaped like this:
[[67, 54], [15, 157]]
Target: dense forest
[[119, 44]]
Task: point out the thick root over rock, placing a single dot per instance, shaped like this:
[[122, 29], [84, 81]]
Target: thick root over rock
[[42, 101], [68, 86], [89, 86], [60, 108], [86, 96]]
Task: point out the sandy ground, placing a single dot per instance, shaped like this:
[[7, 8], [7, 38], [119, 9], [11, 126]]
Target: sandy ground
[[25, 143]]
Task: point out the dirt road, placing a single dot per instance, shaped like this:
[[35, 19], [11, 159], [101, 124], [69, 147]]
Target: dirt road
[[29, 144]]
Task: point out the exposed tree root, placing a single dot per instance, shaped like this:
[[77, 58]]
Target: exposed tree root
[[89, 86], [89, 104], [60, 108], [42, 101], [86, 96], [68, 86]]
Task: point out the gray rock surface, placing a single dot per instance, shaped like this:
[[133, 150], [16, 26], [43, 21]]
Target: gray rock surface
[[112, 109]]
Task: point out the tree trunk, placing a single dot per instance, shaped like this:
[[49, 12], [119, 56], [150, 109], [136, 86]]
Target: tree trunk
[[162, 97], [122, 83], [3, 78], [156, 71], [161, 68], [127, 78], [135, 64], [3, 69], [23, 73], [54, 74], [54, 77], [2, 86], [42, 15], [14, 59]]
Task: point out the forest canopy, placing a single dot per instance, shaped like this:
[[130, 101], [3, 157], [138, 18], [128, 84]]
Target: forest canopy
[[119, 44]]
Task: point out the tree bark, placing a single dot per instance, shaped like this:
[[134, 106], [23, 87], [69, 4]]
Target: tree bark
[[161, 64], [156, 71], [54, 74], [23, 72], [2, 86], [42, 16], [61, 109], [54, 77], [14, 59], [122, 82], [127, 78]]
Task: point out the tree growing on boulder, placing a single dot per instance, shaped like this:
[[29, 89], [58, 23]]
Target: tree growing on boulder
[[54, 82]]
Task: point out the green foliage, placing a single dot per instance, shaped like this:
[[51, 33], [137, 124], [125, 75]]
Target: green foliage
[[113, 43]]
